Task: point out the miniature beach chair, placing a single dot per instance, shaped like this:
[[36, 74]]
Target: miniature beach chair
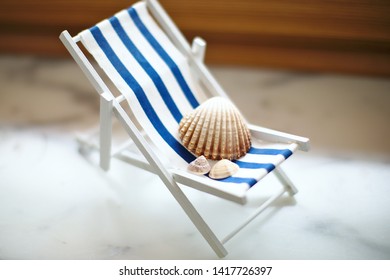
[[160, 78]]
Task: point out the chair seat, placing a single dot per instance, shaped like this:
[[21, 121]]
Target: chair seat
[[261, 159]]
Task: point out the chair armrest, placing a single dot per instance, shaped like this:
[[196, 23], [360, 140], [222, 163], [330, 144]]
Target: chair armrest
[[278, 136]]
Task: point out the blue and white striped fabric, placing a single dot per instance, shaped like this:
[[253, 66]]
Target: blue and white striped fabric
[[156, 80]]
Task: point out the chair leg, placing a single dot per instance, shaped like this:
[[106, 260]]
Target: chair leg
[[196, 219], [169, 182], [286, 182], [258, 211], [105, 131]]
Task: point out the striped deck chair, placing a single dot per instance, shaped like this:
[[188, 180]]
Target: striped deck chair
[[160, 77]]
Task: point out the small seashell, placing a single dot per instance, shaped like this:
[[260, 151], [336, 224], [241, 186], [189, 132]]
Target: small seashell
[[223, 169], [199, 166], [216, 130]]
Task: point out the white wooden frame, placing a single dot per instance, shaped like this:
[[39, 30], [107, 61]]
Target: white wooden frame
[[148, 160]]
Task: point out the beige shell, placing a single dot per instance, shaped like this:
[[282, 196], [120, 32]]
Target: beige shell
[[223, 169], [199, 166], [216, 130]]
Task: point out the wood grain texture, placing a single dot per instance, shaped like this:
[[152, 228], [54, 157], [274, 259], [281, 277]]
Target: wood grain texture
[[337, 36]]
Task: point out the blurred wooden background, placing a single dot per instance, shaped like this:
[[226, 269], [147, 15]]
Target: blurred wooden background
[[347, 36]]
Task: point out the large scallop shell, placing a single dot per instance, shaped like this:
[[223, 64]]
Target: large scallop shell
[[216, 130], [223, 169]]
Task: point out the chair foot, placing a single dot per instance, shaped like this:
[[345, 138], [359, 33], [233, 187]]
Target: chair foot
[[286, 182]]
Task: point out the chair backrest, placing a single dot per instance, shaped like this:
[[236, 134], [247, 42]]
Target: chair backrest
[[149, 71]]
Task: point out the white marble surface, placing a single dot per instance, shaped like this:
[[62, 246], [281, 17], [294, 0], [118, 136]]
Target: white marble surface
[[55, 205]]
